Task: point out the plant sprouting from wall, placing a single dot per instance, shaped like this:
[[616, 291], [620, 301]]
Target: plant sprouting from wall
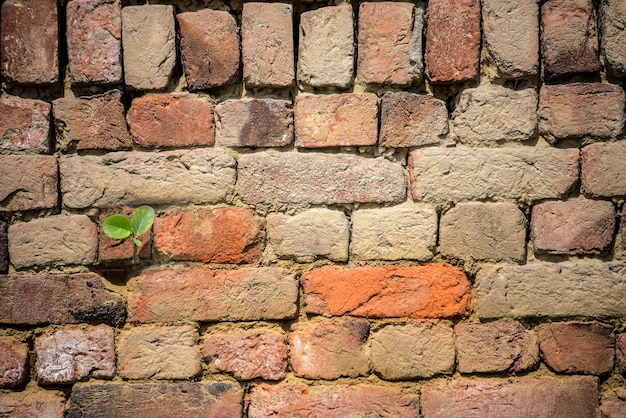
[[120, 227]]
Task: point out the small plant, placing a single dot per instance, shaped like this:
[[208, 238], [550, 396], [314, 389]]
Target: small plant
[[120, 227]]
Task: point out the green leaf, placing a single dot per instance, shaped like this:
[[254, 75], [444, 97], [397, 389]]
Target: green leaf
[[117, 227], [137, 242], [142, 220]]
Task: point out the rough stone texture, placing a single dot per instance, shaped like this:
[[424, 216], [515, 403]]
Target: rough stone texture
[[247, 354], [4, 247], [267, 44], [149, 45], [511, 35], [317, 178], [603, 172], [492, 114], [577, 347], [224, 235], [315, 233], [133, 178], [29, 44], [34, 189], [620, 353], [171, 120], [209, 47], [613, 403], [431, 291], [247, 294], [552, 290], [255, 123], [48, 301], [447, 175], [95, 122], [453, 41], [569, 42], [13, 363], [145, 400], [94, 41], [46, 404], [110, 249], [326, 47], [159, 352], [330, 350], [390, 43], [401, 232], [570, 397], [69, 355], [411, 120], [495, 347], [612, 21], [573, 227], [483, 231], [24, 126], [406, 352]]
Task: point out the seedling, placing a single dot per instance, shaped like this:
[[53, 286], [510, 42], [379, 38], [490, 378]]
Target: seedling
[[120, 227]]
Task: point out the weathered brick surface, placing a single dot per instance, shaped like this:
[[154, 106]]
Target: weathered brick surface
[[611, 21], [224, 235], [247, 294], [4, 247], [110, 249], [329, 350], [24, 126], [495, 347], [25, 405], [404, 352], [209, 47], [13, 363], [432, 291], [602, 169], [620, 352], [37, 190], [267, 44], [94, 41], [135, 178], [69, 355], [326, 47], [171, 120], [315, 233], [613, 403]]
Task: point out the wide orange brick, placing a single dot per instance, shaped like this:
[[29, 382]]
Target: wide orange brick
[[110, 249], [13, 363], [28, 182], [24, 126]]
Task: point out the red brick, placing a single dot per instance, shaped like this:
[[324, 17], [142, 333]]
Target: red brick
[[37, 190], [431, 291], [613, 403], [4, 247], [247, 294], [110, 249], [247, 354], [94, 41], [209, 46], [29, 45], [620, 353], [453, 41], [24, 126], [13, 363], [39, 404], [171, 120], [611, 18], [602, 169]]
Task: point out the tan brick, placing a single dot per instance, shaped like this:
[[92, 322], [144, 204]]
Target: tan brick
[[613, 39], [13, 363], [28, 182], [602, 172], [24, 126], [48, 404], [620, 353]]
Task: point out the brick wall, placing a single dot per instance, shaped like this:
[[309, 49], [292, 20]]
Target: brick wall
[[370, 209]]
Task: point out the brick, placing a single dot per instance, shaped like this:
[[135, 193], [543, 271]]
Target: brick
[[611, 17], [13, 363], [569, 41], [613, 404], [109, 249], [247, 354], [315, 233], [336, 120], [329, 350], [142, 400], [447, 175], [224, 235], [411, 120], [171, 120], [299, 400], [48, 404], [149, 45], [267, 44], [573, 227], [94, 41], [552, 290], [48, 301], [620, 353], [94, 122], [431, 291], [4, 247], [453, 41], [406, 352], [570, 397], [495, 347], [136, 178], [483, 231], [491, 114], [246, 294], [24, 126], [319, 179], [37, 190], [602, 172], [255, 123], [29, 45], [577, 347], [159, 352], [511, 35], [581, 110], [326, 47], [405, 232], [68, 355]]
